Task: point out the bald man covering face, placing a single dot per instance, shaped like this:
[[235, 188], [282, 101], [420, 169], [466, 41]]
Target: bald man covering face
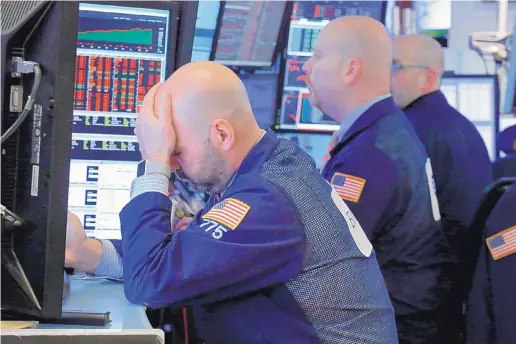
[[461, 164], [380, 169], [274, 257]]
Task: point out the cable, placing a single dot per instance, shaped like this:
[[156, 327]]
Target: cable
[[30, 100], [185, 322], [10, 216]]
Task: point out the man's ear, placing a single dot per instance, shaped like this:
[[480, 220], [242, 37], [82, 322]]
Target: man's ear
[[431, 80], [351, 70], [222, 134]]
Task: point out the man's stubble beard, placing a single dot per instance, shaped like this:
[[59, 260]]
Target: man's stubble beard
[[218, 174]]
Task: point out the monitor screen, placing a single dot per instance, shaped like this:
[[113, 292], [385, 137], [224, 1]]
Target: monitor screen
[[506, 122], [249, 32], [476, 98], [328, 10], [316, 145], [262, 90], [121, 54], [307, 20], [205, 26]]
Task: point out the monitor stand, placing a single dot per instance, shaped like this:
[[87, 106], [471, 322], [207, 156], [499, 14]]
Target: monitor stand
[[77, 318], [11, 320], [11, 224], [80, 319]]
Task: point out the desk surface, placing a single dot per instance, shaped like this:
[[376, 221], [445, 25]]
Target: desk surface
[[99, 296]]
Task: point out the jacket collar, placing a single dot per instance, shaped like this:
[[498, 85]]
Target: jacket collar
[[367, 119], [430, 99]]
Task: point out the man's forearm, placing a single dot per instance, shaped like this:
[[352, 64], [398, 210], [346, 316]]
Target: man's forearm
[[89, 256], [99, 258]]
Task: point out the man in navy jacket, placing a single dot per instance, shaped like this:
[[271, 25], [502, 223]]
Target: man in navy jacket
[[491, 311], [506, 166], [274, 257], [379, 167], [461, 164]]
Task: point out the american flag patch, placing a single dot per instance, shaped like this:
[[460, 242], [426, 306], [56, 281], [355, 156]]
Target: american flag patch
[[348, 187], [229, 212], [502, 244]]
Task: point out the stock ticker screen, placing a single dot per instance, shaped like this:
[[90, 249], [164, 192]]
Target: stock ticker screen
[[205, 27], [249, 33], [121, 54], [307, 20]]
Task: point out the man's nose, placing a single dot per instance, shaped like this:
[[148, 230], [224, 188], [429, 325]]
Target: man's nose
[[307, 67]]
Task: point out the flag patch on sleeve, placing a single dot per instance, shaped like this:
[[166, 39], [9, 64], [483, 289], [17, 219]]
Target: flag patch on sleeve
[[348, 187], [502, 244], [229, 212]]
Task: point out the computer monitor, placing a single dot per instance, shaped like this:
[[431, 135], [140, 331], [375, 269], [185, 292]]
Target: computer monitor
[[205, 27], [477, 98], [248, 33], [297, 113], [329, 10], [35, 157], [307, 20], [316, 145], [262, 90], [121, 53]]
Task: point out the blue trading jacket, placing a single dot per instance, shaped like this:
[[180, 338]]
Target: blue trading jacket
[[491, 311], [276, 258], [381, 170], [461, 164], [506, 142]]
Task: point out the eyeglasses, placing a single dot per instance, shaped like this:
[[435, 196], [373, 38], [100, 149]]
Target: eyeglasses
[[398, 67]]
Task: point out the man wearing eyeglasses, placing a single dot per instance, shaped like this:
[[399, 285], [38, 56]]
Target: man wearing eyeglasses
[[459, 157], [380, 169]]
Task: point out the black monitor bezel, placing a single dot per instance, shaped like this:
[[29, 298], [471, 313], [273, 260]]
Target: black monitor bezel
[[42, 184], [250, 66]]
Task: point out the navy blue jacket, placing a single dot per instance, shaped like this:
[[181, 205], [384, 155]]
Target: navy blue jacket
[[506, 142], [461, 164], [382, 172], [276, 258], [491, 311], [505, 167]]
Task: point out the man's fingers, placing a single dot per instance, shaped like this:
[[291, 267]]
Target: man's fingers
[[182, 224], [164, 108], [174, 164], [147, 108]]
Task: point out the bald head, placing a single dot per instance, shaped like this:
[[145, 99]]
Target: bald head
[[419, 50], [363, 38], [351, 65], [420, 65], [205, 91], [213, 121]]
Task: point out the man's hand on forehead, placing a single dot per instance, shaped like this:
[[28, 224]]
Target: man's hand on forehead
[[154, 128]]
